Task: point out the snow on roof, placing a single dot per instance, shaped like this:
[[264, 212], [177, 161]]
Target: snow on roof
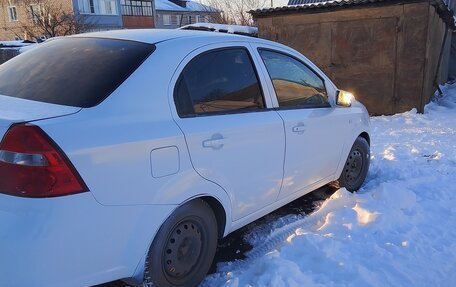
[[191, 6], [195, 6], [168, 6], [13, 44]]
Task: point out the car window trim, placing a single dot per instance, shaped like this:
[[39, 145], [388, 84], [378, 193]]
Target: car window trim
[[229, 112], [259, 49]]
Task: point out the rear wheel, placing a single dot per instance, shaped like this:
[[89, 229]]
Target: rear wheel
[[184, 247], [357, 165]]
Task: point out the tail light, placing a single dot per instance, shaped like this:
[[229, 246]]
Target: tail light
[[32, 165]]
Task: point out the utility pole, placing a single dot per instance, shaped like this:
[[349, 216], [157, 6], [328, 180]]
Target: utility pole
[[272, 3]]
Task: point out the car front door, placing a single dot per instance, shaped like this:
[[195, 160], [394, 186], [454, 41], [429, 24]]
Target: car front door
[[234, 138], [315, 130]]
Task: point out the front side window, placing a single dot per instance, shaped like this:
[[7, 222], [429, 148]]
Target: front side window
[[296, 85], [12, 13], [220, 81]]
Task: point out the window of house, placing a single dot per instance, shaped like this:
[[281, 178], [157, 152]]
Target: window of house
[[147, 8], [202, 19], [36, 13], [190, 19], [108, 7], [12, 13], [85, 7], [166, 20], [136, 8], [176, 20], [295, 84], [101, 7], [220, 81]]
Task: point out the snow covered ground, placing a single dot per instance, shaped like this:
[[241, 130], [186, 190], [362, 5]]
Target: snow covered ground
[[398, 230]]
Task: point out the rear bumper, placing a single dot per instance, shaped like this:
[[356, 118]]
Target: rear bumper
[[73, 240]]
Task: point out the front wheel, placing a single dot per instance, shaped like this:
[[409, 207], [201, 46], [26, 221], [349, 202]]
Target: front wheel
[[357, 165], [184, 247]]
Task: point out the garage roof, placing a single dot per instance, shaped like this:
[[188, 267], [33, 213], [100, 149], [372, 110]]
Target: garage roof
[[315, 6]]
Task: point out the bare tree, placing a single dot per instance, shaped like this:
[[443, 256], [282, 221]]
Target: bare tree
[[235, 11], [47, 18]]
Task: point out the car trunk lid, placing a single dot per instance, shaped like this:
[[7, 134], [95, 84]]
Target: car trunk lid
[[17, 110]]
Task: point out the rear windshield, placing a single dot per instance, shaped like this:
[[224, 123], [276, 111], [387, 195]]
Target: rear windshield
[[79, 72]]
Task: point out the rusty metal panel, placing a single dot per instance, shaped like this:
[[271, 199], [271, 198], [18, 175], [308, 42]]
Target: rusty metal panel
[[387, 55], [312, 38], [411, 52], [436, 32], [363, 61]]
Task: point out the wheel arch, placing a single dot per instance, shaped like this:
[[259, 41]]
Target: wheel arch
[[219, 212], [365, 136], [359, 132]]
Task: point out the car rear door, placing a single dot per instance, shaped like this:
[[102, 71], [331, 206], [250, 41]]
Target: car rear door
[[234, 137], [315, 129]]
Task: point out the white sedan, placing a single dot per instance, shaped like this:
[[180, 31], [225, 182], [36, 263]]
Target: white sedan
[[128, 154]]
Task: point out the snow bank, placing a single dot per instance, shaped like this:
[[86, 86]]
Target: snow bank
[[14, 44], [399, 230]]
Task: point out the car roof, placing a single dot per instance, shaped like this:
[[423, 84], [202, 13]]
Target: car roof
[[154, 36]]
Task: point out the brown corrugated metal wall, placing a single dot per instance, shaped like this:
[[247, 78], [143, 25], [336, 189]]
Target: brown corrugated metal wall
[[386, 55]]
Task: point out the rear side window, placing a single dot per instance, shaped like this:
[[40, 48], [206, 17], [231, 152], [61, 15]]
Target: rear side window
[[296, 85], [219, 81], [79, 72]]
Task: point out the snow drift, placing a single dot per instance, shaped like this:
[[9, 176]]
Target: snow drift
[[398, 230]]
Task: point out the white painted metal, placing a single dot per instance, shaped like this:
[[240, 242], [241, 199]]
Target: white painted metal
[[314, 136], [104, 234], [13, 110], [227, 148], [73, 241]]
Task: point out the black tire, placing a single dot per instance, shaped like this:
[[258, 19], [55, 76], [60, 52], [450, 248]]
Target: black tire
[[184, 247], [356, 166]]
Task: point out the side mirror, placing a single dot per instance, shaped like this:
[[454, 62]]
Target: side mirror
[[344, 98]]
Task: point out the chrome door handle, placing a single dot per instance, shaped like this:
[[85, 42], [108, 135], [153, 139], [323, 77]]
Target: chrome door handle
[[299, 129], [215, 142]]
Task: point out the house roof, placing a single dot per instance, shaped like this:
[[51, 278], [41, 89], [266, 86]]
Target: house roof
[[313, 6], [191, 6], [167, 5]]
